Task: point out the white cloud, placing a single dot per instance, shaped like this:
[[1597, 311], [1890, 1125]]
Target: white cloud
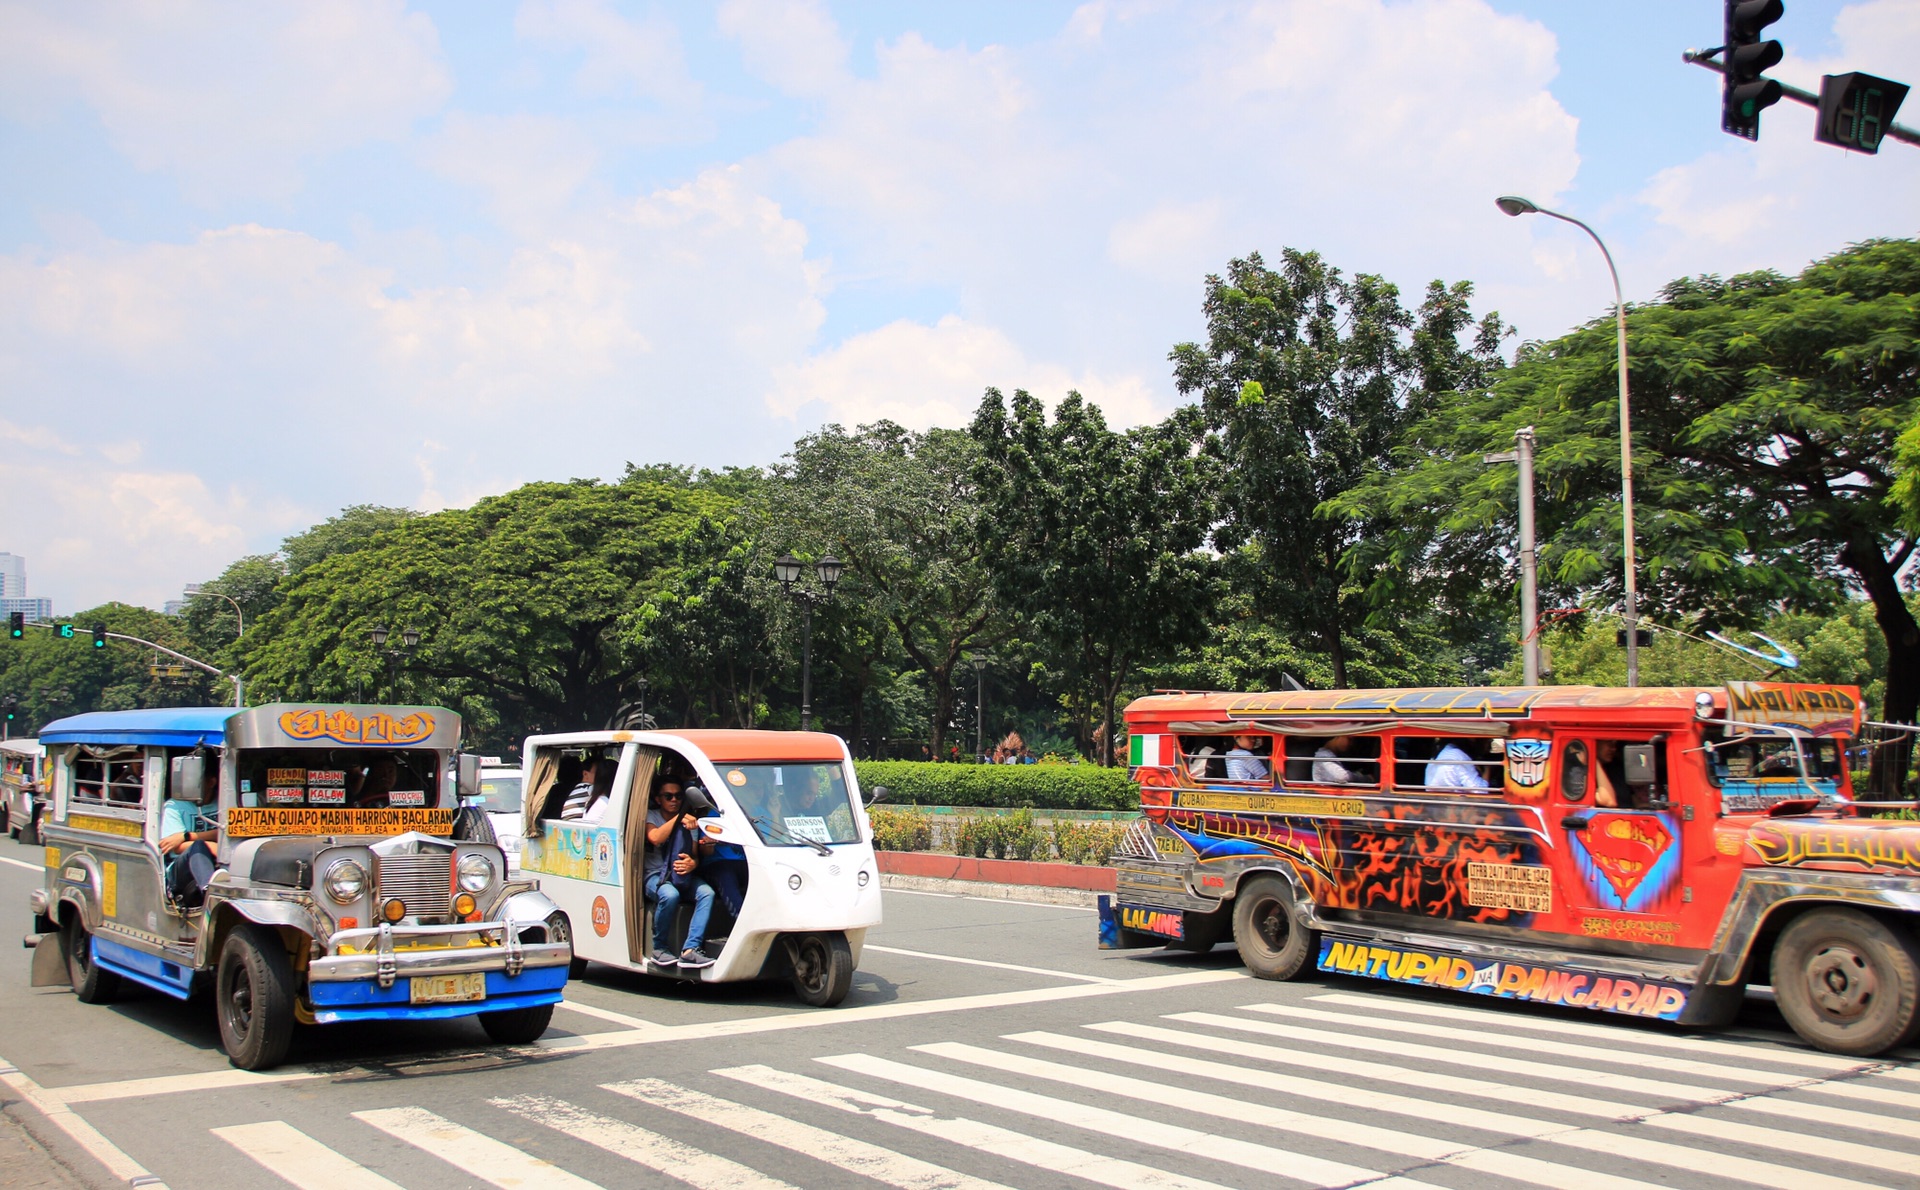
[[922, 376], [232, 98], [619, 56], [793, 44], [531, 167]]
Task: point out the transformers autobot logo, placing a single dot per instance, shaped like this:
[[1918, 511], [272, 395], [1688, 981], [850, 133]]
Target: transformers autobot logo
[[1527, 762]]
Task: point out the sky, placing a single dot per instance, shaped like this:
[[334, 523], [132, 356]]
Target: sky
[[261, 261]]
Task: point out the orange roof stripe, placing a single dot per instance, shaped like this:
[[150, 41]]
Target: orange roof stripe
[[722, 744]]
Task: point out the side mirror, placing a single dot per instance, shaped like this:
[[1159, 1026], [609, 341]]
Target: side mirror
[[186, 777], [878, 794], [1638, 761], [467, 778]]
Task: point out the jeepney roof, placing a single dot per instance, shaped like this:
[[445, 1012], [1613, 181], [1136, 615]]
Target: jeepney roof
[[25, 747], [172, 727], [717, 744], [307, 725]]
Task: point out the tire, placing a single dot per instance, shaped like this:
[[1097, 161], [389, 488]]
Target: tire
[[1847, 982], [1271, 943], [30, 833], [6, 821], [253, 999], [822, 968], [91, 984], [576, 968], [517, 1026]]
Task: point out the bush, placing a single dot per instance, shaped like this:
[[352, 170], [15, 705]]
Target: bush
[[1004, 836], [900, 830], [1086, 842], [1003, 786]]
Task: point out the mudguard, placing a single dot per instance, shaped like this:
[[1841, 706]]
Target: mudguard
[[528, 908], [50, 961]]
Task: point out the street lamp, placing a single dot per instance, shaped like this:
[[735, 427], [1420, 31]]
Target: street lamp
[[1514, 205], [788, 570], [979, 663], [408, 639], [1529, 586], [193, 589]]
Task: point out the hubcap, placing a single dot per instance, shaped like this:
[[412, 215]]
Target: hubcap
[[1270, 919], [808, 963], [1841, 980], [240, 1002]]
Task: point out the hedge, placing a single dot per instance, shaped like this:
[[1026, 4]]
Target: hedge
[[1041, 786]]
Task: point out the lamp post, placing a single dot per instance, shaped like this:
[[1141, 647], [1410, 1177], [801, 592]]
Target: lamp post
[[788, 570], [408, 639], [979, 663], [1514, 205], [194, 589], [1529, 585]]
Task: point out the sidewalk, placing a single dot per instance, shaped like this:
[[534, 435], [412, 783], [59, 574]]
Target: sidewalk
[[25, 1164]]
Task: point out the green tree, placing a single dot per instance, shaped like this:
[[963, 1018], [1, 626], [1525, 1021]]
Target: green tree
[[706, 633], [54, 677], [1765, 414], [353, 528], [1307, 381], [1093, 537]]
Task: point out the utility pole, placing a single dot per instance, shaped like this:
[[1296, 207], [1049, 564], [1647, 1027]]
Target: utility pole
[[1529, 573]]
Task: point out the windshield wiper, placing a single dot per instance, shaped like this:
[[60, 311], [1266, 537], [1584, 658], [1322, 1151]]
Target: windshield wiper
[[789, 837]]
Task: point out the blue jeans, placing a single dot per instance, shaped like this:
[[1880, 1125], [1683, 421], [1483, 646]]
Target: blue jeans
[[666, 907]]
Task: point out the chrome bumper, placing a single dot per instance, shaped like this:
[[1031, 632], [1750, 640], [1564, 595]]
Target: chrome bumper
[[392, 953]]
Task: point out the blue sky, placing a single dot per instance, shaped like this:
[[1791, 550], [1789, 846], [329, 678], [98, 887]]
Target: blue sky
[[261, 261]]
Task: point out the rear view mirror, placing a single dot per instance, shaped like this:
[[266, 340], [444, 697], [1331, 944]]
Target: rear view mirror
[[1638, 759], [186, 777], [467, 779], [694, 800], [878, 794]]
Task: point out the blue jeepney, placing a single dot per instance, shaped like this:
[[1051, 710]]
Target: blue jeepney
[[337, 877]]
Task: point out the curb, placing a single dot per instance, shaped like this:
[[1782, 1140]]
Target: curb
[[1030, 873], [982, 890]]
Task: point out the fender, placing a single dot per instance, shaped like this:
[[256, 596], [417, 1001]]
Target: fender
[[272, 914], [1305, 911], [82, 892], [1762, 891], [531, 907]]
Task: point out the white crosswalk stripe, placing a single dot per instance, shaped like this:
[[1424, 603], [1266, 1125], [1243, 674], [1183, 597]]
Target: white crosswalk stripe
[[298, 1159], [483, 1157], [662, 1154]]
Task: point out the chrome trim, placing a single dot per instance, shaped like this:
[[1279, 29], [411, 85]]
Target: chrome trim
[[405, 963]]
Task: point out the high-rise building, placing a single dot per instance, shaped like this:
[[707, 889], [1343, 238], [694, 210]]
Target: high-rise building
[[13, 575], [37, 608]]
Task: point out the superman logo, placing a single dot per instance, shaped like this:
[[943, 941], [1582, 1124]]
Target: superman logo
[[1628, 859]]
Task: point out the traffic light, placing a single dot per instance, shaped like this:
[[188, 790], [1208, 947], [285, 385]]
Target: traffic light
[[99, 636], [16, 625], [65, 631], [9, 703], [1642, 637], [1855, 110], [1744, 92]]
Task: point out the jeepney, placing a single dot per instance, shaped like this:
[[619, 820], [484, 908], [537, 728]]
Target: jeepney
[[785, 803], [350, 885], [21, 791], [1649, 852]]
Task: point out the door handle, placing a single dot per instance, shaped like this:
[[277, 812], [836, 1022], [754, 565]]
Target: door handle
[[1577, 821]]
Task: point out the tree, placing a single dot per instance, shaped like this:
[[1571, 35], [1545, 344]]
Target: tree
[[1307, 381], [354, 528], [54, 676], [1765, 413], [705, 635], [1092, 537]]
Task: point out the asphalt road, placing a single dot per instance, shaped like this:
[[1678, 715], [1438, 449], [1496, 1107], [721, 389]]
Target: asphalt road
[[985, 1043]]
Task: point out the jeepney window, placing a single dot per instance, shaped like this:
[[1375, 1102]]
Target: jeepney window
[[1574, 768], [1204, 756], [339, 778], [1755, 757], [109, 777], [791, 804], [1333, 760], [1445, 763]]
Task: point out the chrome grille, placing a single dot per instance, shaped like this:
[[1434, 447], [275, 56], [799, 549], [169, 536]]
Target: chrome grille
[[424, 882]]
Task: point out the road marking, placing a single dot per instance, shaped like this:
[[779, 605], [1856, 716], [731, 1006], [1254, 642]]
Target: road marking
[[481, 1156], [661, 1154], [1614, 1055], [605, 1014], [20, 863], [1613, 1033], [292, 1156], [949, 958], [1003, 1143], [1315, 1171], [174, 1084], [83, 1134], [854, 1156]]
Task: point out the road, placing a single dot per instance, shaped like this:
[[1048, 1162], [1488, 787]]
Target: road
[[986, 1043]]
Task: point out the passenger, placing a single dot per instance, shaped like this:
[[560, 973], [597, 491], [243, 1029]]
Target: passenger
[[582, 793], [566, 775], [186, 829], [602, 795], [1452, 768], [1609, 775], [371, 789], [726, 869], [665, 875], [1242, 764], [1327, 769]]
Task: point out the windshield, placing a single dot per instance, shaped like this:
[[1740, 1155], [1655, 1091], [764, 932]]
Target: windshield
[[794, 804], [500, 793], [339, 778], [1760, 758]]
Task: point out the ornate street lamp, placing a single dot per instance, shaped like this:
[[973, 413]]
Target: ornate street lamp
[[408, 640], [979, 663], [788, 570]]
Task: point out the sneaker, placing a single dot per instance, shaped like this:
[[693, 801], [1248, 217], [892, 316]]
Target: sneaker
[[694, 959], [664, 958]]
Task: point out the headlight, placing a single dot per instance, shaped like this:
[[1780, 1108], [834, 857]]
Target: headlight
[[345, 881], [476, 871]]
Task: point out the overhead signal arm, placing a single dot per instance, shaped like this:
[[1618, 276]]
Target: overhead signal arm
[[1855, 109]]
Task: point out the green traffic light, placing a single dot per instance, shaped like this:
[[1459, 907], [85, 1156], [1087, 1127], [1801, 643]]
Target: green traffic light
[[99, 636]]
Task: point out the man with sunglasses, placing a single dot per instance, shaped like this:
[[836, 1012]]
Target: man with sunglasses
[[669, 877]]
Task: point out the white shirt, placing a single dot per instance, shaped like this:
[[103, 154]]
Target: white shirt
[[1327, 769], [1243, 765], [1452, 768]]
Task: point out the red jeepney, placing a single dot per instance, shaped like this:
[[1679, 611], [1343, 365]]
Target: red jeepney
[[1640, 851]]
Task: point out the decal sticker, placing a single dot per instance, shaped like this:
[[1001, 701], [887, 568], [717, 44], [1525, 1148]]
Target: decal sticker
[[1274, 804], [1890, 844], [286, 777], [324, 795], [279, 796], [1149, 751], [1628, 860], [576, 851], [1172, 844], [1527, 763], [343, 726], [1631, 929], [1727, 842], [811, 827], [1508, 981], [326, 776], [1525, 887], [109, 890], [1168, 923], [246, 822], [104, 826], [735, 777], [602, 917], [407, 797], [603, 856], [1822, 710]]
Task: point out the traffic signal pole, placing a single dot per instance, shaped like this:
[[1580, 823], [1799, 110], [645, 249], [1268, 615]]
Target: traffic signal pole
[[1899, 132], [239, 690]]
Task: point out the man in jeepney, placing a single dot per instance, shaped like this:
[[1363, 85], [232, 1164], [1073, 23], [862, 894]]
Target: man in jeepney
[[188, 833], [670, 877], [1452, 768], [370, 788], [1327, 766]]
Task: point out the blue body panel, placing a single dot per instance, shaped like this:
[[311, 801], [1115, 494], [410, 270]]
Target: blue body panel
[[177, 727], [365, 1000], [160, 974]]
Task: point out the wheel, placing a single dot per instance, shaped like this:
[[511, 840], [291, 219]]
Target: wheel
[[6, 820], [1271, 944], [517, 1026], [1847, 982], [254, 999], [90, 983], [30, 833], [822, 968]]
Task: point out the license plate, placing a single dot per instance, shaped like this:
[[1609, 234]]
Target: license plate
[[447, 989]]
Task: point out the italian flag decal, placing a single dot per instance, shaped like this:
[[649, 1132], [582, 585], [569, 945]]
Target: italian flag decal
[[1152, 751]]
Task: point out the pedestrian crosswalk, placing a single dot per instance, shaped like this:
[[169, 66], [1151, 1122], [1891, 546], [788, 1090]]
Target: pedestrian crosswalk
[[1333, 1090]]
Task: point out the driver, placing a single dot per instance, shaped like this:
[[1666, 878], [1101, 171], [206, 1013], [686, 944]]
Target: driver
[[187, 838]]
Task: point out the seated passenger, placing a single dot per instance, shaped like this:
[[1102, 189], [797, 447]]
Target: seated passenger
[[566, 776], [726, 869], [1327, 769], [601, 794], [187, 828], [582, 794], [1610, 776], [1242, 764], [368, 789], [670, 876], [1452, 768]]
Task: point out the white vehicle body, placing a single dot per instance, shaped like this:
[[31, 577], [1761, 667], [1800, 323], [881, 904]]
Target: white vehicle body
[[500, 788], [21, 780], [807, 905]]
